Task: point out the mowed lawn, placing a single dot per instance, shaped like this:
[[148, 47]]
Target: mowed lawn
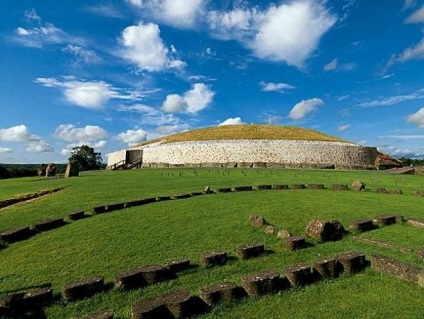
[[186, 228]]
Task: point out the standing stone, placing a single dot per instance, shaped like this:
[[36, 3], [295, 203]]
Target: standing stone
[[50, 170], [71, 170], [42, 170], [358, 186], [325, 230]]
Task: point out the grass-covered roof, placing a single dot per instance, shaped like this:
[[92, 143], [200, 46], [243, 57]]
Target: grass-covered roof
[[249, 132]]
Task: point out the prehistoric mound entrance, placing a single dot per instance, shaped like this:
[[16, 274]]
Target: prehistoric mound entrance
[[246, 146]]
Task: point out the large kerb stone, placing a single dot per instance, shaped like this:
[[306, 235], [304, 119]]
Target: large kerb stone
[[325, 230]]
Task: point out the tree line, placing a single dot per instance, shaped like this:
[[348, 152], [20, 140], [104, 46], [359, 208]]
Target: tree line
[[83, 156]]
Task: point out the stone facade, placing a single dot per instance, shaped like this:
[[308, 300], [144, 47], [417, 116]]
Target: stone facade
[[287, 152]]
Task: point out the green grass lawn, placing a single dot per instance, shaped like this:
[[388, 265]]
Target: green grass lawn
[[159, 232]]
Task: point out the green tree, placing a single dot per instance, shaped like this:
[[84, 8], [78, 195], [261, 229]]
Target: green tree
[[86, 158]]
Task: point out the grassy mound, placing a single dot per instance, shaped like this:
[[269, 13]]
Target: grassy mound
[[248, 132]]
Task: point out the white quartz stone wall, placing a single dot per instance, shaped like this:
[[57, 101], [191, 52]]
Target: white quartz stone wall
[[116, 157], [270, 151]]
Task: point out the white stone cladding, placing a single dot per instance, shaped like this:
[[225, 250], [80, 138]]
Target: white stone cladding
[[268, 151], [116, 157]]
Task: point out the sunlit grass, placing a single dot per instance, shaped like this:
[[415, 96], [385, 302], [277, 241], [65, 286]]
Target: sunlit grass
[[159, 232]]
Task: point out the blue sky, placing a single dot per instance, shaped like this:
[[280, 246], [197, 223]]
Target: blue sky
[[113, 73]]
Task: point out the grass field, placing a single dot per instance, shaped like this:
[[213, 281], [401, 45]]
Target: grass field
[[155, 233]]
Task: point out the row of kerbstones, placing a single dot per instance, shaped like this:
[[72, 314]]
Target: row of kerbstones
[[84, 288], [25, 232], [181, 304]]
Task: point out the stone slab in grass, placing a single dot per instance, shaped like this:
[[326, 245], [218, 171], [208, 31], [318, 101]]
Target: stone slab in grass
[[385, 220], [149, 200], [76, 215], [396, 267], [99, 209], [37, 297], [221, 292], [362, 225], [270, 230], [316, 186], [298, 186], [98, 315], [10, 304], [214, 258], [419, 193], [48, 224], [181, 196], [294, 242], [180, 303], [114, 206], [250, 250], [151, 308], [280, 186], [299, 274], [261, 283], [243, 188], [325, 230], [264, 187], [351, 262], [257, 221], [17, 234], [224, 190], [175, 304], [130, 279], [416, 222], [83, 288], [178, 265], [381, 190], [283, 233], [135, 203], [154, 274], [397, 192], [339, 187], [325, 268], [358, 186], [163, 198]]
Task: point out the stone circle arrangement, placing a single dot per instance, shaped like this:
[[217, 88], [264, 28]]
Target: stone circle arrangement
[[180, 303]]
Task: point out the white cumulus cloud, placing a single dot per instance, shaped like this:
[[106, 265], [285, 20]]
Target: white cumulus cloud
[[232, 121], [288, 32], [177, 13], [39, 147], [17, 133], [291, 32], [71, 133], [20, 134], [417, 118], [174, 103], [275, 87], [87, 94], [143, 46], [192, 101], [303, 108], [132, 137]]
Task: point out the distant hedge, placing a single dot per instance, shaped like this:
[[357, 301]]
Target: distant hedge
[[24, 170]]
